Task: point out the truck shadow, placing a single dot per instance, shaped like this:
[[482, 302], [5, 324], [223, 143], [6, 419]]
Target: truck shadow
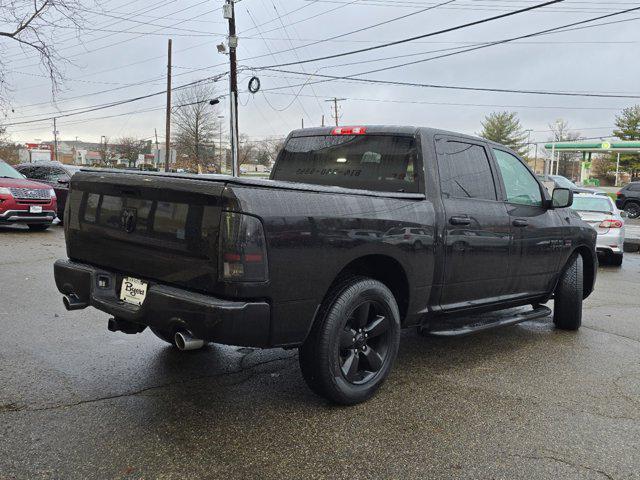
[[238, 378]]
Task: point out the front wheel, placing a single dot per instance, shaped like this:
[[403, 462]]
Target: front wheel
[[567, 307], [354, 342], [632, 209]]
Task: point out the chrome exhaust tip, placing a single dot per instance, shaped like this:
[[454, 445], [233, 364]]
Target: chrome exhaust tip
[[72, 302], [184, 340]]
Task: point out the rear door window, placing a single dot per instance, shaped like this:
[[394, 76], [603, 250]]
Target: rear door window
[[387, 163], [465, 171]]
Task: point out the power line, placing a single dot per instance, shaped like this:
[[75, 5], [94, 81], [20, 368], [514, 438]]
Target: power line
[[542, 32], [369, 27], [110, 105], [452, 87], [418, 37]]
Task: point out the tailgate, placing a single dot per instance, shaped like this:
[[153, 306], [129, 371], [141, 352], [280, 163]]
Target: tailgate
[[152, 227]]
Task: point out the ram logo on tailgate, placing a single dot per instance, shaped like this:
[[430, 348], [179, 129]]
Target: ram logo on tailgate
[[128, 219]]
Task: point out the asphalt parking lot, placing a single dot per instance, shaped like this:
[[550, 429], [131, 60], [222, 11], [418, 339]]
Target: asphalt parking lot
[[77, 401]]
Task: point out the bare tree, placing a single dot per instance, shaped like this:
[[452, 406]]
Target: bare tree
[[129, 148], [106, 154], [267, 150], [246, 150], [196, 124], [8, 149], [35, 25], [569, 162]]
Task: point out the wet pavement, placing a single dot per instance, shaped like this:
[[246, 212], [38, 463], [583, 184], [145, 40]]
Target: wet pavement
[[77, 401]]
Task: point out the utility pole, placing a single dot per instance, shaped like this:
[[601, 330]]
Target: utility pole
[[167, 156], [229, 14], [335, 101], [55, 138], [323, 119]]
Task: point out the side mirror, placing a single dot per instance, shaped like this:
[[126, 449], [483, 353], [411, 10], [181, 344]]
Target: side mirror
[[562, 198]]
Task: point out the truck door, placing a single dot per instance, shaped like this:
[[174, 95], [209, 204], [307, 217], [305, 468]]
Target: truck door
[[477, 232], [537, 231]]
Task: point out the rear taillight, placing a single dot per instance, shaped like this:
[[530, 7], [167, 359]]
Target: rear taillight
[[611, 224], [243, 249], [619, 194]]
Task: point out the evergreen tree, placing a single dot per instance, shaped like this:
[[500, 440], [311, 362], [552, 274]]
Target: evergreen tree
[[505, 128], [628, 123]]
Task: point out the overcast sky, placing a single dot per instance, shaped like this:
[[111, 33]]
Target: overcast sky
[[105, 65]]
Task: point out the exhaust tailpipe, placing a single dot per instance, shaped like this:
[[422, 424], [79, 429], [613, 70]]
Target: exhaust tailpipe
[[73, 302], [185, 341]]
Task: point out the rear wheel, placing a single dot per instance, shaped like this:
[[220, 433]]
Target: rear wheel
[[38, 227], [616, 259], [632, 209], [354, 342], [567, 308]]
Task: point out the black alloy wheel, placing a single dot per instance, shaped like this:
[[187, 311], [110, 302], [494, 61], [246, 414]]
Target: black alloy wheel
[[364, 343], [632, 209], [353, 343]]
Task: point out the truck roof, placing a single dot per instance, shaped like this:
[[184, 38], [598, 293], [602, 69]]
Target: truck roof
[[390, 129]]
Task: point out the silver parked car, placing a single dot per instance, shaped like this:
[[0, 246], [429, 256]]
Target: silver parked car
[[603, 215]]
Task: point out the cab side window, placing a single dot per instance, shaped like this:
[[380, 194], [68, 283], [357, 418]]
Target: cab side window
[[520, 185], [465, 171]]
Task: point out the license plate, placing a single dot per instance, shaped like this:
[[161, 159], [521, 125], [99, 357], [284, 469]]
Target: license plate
[[133, 291], [35, 209]]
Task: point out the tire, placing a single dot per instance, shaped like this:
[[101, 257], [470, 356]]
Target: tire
[[335, 366], [567, 307], [616, 259], [164, 336], [632, 209], [38, 227]]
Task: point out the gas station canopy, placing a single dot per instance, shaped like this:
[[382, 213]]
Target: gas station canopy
[[587, 149], [595, 147]]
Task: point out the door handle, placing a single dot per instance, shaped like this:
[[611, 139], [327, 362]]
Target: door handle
[[460, 221], [518, 222]]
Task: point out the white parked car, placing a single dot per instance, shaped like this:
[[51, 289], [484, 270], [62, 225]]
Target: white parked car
[[602, 214]]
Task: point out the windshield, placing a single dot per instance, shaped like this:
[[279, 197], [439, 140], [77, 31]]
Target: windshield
[[563, 182], [386, 163], [590, 204], [7, 171]]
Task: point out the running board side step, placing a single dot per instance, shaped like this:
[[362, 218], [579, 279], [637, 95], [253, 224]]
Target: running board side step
[[490, 321]]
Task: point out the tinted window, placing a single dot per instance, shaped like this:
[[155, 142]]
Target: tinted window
[[370, 162], [520, 184], [634, 187], [465, 171]]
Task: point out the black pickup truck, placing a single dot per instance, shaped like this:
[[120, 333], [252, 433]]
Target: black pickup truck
[[359, 232]]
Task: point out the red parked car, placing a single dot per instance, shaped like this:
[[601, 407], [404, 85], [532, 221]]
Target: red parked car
[[24, 201]]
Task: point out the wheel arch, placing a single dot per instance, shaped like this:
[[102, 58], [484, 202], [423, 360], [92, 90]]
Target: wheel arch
[[590, 263], [383, 268]]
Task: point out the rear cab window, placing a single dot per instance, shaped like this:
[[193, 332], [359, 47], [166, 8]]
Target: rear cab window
[[465, 170], [378, 162]]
